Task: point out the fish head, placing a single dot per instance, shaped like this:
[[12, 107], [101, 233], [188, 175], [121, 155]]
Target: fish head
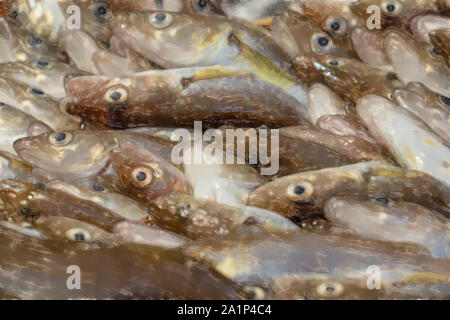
[[441, 42], [190, 6], [171, 39], [73, 154], [146, 175]]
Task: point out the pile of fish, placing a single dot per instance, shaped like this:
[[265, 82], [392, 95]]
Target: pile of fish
[[93, 91]]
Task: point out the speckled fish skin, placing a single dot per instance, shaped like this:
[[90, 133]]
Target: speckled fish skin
[[430, 69], [14, 124], [13, 168], [441, 42], [37, 104], [157, 274], [408, 139], [391, 220], [175, 40], [395, 12], [422, 26], [428, 106], [306, 265], [188, 6], [176, 98], [305, 193], [110, 200], [26, 202], [81, 154], [200, 218], [304, 37], [47, 18], [145, 175], [131, 232], [47, 76], [353, 148], [333, 16], [369, 45], [19, 45]]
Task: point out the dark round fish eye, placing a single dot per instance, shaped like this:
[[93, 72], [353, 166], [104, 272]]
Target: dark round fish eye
[[382, 201], [160, 17], [334, 63], [390, 7], [299, 190], [323, 41], [42, 64], [330, 289], [202, 3], [436, 52], [115, 96], [141, 176], [33, 40], [37, 91], [445, 100], [79, 236], [102, 10], [335, 26], [60, 137], [15, 14], [98, 188]]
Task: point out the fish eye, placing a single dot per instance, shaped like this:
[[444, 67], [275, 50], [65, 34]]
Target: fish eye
[[34, 40], [60, 139], [321, 42], [434, 53], [161, 20], [116, 95], [330, 289], [101, 11], [337, 26], [254, 292], [391, 8], [301, 191], [333, 63], [37, 92], [382, 201], [142, 177], [445, 100], [201, 4], [77, 234], [98, 188]]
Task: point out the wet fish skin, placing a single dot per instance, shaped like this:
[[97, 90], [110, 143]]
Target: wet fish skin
[[431, 70], [423, 25], [176, 98], [21, 46], [369, 45], [13, 168], [307, 265], [157, 273], [200, 218], [440, 40], [48, 18], [27, 202], [82, 153], [390, 220], [324, 101], [145, 176], [428, 106], [305, 193], [38, 104], [47, 76], [188, 6], [412, 144]]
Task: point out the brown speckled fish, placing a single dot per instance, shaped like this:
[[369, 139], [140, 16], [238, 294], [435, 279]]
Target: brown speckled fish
[[441, 42]]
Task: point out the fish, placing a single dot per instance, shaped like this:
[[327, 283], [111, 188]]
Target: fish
[[177, 40], [390, 220], [440, 40], [305, 193], [27, 202], [38, 104], [113, 201], [64, 228], [132, 232], [176, 98], [308, 265], [395, 12], [74, 155], [406, 137], [47, 18], [13, 168], [144, 175], [200, 218], [188, 6], [20, 46], [47, 76], [324, 101], [299, 36], [14, 124], [430, 68], [428, 106], [157, 273], [369, 45], [89, 57], [333, 16], [423, 25]]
